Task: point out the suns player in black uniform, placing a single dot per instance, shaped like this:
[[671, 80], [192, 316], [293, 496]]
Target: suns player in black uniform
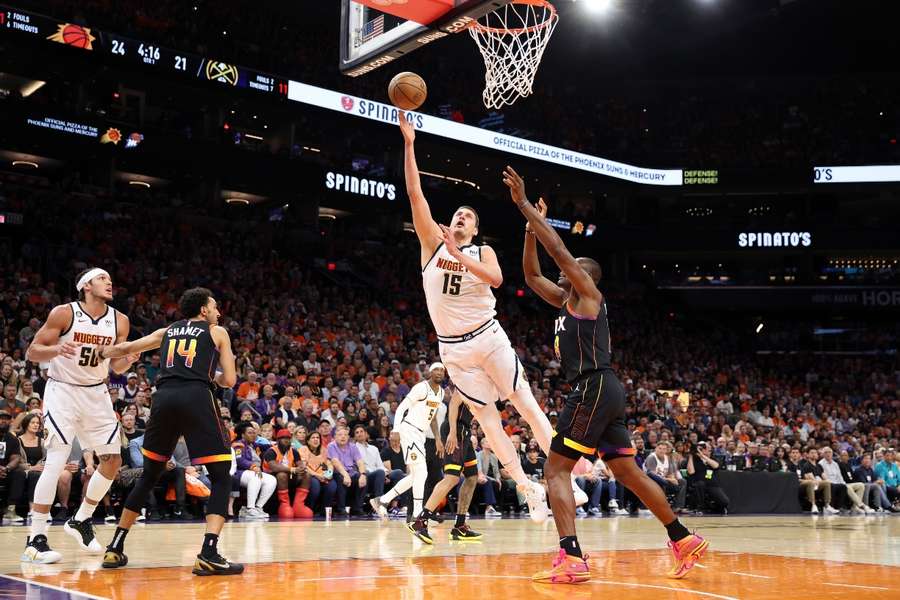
[[183, 404], [459, 459], [592, 422]]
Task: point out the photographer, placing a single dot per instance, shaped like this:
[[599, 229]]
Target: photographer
[[700, 468]]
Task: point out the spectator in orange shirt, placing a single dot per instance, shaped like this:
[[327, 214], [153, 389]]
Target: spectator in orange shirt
[[249, 390]]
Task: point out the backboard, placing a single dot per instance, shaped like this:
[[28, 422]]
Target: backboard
[[376, 32]]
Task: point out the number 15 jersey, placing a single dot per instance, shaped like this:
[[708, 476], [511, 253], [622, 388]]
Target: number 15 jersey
[[458, 301]]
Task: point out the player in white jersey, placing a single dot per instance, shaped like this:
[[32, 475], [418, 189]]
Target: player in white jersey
[[414, 416], [458, 276], [77, 405]]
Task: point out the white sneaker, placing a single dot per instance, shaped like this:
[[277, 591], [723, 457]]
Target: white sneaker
[[595, 511], [814, 510], [242, 514], [829, 510], [645, 511], [867, 509], [37, 551], [402, 511], [537, 501], [618, 511], [378, 508], [580, 512], [110, 518], [580, 497], [12, 516], [142, 516], [613, 505], [490, 511]]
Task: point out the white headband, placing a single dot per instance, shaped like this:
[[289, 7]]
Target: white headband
[[96, 272], [434, 366]]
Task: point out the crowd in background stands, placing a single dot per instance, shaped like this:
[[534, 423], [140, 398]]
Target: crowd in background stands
[[317, 353], [732, 123]]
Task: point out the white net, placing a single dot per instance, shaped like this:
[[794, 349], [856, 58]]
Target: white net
[[512, 41]]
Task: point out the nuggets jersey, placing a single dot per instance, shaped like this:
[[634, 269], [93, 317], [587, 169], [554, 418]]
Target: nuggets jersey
[[85, 368], [458, 302], [422, 405], [581, 342]]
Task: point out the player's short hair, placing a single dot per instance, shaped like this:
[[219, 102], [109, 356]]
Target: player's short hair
[[592, 267], [475, 212], [192, 301]]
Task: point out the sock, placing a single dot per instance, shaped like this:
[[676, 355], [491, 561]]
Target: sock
[[97, 487], [210, 545], [677, 531], [569, 543], [118, 539], [460, 520], [40, 523]]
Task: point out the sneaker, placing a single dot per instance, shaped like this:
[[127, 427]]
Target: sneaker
[[645, 511], [566, 569], [537, 501], [613, 505], [436, 518], [110, 518], [216, 565], [464, 534], [618, 511], [401, 512], [814, 510], [490, 511], [378, 508], [580, 497], [142, 516], [61, 516], [829, 510], [687, 552], [83, 532], [420, 529], [12, 516], [580, 512], [257, 514], [38, 551], [867, 509], [113, 559], [243, 513], [595, 511]]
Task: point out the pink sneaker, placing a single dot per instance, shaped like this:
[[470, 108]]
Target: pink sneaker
[[566, 569], [688, 551]]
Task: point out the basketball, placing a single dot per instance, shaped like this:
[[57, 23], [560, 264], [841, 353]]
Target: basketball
[[407, 91], [74, 35]]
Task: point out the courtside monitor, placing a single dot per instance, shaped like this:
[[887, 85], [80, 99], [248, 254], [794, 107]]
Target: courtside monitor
[[377, 32]]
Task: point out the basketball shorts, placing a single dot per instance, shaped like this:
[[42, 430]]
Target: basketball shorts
[[482, 365], [412, 441], [83, 412], [592, 422], [187, 409], [462, 460]]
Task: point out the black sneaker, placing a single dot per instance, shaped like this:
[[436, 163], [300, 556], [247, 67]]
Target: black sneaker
[[464, 534], [216, 565], [419, 528], [83, 532], [436, 518], [113, 559]]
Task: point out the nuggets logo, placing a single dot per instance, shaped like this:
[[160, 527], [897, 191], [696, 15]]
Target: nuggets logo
[[73, 35], [347, 102], [413, 456], [221, 72]]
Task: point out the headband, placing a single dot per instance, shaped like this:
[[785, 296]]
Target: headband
[[95, 272], [434, 366]]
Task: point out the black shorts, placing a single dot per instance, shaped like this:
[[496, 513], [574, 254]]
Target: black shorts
[[463, 459], [186, 409], [592, 422]]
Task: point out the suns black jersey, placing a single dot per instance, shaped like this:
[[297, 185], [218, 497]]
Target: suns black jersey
[[581, 342], [188, 353]]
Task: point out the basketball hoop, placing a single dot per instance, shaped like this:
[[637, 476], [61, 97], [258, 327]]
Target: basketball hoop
[[512, 41]]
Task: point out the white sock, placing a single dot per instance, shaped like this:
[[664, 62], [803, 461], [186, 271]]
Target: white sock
[[40, 523], [420, 476], [401, 486], [97, 488]]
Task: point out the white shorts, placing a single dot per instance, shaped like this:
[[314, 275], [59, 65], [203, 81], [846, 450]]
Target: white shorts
[[413, 444], [484, 368], [86, 413]]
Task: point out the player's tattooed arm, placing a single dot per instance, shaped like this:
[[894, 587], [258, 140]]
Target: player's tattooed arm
[[148, 342]]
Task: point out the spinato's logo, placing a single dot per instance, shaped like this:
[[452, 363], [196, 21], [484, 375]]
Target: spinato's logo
[[777, 239], [347, 102], [363, 187]]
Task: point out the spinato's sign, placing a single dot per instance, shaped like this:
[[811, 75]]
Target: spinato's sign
[[360, 186], [777, 239]]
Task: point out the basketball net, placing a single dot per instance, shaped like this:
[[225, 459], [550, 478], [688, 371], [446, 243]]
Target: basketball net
[[512, 41]]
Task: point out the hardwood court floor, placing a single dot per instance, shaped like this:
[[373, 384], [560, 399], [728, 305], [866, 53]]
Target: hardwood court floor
[[750, 557]]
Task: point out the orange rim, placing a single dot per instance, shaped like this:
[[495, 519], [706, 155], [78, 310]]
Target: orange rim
[[519, 30]]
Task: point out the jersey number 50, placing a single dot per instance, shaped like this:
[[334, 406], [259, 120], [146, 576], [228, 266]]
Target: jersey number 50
[[89, 357], [186, 350], [451, 284]]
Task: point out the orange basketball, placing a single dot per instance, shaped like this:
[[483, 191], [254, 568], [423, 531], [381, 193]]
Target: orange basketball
[[75, 35], [407, 91]]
